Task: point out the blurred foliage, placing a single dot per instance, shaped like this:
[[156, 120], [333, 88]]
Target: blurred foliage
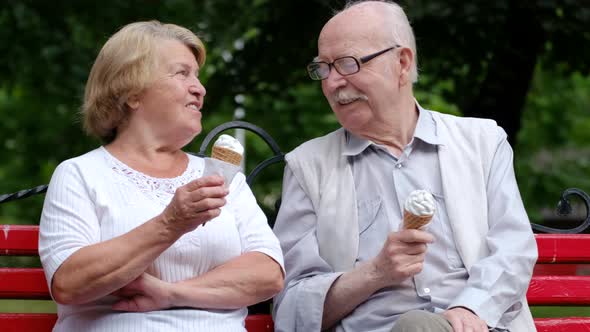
[[473, 61], [553, 151]]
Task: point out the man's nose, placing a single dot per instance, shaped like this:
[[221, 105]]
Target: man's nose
[[334, 80]]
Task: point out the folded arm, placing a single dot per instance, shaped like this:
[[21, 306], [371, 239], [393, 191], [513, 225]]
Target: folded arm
[[254, 276], [242, 281], [82, 268]]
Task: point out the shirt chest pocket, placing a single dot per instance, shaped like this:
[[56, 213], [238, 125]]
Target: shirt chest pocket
[[374, 227], [441, 228]]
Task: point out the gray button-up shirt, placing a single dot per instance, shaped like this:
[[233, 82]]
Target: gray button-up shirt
[[383, 181]]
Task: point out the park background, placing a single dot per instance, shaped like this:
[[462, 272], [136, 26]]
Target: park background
[[525, 64]]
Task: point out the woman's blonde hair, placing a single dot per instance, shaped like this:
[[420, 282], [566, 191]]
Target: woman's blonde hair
[[125, 66]]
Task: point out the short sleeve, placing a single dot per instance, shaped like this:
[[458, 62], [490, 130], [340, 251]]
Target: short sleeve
[[68, 220], [255, 233]]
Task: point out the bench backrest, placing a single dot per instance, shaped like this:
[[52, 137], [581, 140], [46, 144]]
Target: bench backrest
[[555, 281], [561, 277]]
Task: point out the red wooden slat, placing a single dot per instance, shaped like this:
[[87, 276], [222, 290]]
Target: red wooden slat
[[565, 248], [259, 323], [27, 322], [561, 269], [18, 240], [29, 283], [559, 290], [571, 324], [22, 240], [44, 323]]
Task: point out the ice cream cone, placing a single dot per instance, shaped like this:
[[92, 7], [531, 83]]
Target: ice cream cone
[[412, 221], [227, 155]]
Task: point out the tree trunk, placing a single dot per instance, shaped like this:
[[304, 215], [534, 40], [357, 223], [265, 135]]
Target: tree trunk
[[510, 71]]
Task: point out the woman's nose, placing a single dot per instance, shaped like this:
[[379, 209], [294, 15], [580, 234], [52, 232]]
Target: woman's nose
[[197, 88]]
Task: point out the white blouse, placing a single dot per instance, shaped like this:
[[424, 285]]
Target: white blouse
[[95, 197]]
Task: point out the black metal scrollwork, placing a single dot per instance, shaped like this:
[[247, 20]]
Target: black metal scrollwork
[[564, 208], [276, 158], [23, 194]]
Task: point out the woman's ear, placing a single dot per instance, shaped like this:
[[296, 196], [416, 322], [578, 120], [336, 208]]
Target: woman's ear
[[133, 102], [406, 59]]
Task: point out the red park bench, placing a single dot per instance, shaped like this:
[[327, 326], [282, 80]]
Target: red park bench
[[561, 277]]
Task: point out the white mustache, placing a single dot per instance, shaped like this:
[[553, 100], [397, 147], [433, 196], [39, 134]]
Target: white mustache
[[342, 95]]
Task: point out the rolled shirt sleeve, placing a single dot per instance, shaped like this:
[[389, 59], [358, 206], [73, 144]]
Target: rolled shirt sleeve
[[300, 306], [498, 282]]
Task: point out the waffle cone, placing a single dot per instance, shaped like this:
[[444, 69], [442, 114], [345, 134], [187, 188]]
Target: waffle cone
[[412, 221], [227, 155]]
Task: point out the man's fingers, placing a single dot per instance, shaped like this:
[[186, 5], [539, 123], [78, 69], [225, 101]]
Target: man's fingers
[[414, 236], [464, 320], [415, 268], [415, 249], [456, 323]]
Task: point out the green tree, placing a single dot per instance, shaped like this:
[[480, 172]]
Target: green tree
[[476, 58]]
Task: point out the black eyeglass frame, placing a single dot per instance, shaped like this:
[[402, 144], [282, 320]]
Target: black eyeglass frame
[[358, 62]]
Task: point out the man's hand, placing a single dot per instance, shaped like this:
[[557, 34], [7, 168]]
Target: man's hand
[[146, 293], [401, 257], [464, 320]]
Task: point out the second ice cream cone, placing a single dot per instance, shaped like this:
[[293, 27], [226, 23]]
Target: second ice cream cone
[[412, 221]]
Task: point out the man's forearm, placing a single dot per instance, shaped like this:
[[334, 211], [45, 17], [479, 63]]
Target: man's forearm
[[348, 291], [242, 281]]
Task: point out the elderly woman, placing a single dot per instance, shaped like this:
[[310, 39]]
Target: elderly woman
[[123, 239]]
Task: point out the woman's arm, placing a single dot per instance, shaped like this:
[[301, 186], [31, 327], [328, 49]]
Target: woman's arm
[[254, 276], [245, 280], [80, 267], [97, 270], [248, 279]]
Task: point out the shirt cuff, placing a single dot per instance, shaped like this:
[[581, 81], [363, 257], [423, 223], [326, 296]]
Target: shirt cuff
[[310, 302], [480, 302]]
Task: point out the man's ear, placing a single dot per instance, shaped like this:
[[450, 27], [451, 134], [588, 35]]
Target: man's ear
[[406, 59], [133, 102]]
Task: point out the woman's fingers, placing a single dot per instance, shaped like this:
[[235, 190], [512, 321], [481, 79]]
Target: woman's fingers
[[206, 181]]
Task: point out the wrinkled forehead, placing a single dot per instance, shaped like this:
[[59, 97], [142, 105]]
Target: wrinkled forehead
[[350, 31]]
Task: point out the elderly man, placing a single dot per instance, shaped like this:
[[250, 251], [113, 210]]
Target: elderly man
[[350, 266]]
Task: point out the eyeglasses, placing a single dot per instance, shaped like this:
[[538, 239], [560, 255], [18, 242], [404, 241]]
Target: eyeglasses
[[346, 65]]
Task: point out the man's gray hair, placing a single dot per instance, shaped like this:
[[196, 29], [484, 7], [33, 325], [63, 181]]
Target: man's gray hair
[[398, 24]]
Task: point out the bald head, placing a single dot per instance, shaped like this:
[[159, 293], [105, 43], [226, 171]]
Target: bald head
[[380, 23]]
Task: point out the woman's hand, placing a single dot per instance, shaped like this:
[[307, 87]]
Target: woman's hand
[[146, 293], [194, 204]]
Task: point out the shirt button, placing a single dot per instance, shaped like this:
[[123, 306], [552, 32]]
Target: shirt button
[[427, 290], [399, 165]]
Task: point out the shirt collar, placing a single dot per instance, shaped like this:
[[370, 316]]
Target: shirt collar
[[425, 131], [426, 127]]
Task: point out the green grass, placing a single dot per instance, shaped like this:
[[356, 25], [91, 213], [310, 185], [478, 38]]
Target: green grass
[[27, 306], [560, 312], [37, 306]]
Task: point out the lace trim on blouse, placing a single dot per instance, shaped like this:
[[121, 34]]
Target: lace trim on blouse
[[158, 189]]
